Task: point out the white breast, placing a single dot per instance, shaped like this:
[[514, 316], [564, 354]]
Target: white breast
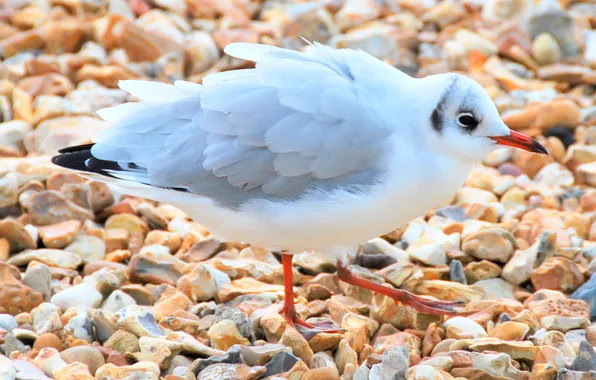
[[416, 183]]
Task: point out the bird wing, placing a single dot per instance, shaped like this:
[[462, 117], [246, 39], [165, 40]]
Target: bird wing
[[297, 121]]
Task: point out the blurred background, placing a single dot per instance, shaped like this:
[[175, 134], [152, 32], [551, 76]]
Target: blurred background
[[61, 60]]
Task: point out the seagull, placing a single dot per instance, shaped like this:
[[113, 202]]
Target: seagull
[[320, 150]]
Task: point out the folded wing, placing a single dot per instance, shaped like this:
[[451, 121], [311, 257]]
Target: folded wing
[[295, 122]]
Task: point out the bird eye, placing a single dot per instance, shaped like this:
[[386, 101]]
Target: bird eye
[[467, 120]]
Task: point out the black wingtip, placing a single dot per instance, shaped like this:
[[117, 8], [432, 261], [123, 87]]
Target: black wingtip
[[74, 157], [76, 148]]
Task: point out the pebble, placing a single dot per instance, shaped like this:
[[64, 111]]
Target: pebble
[[394, 364], [8, 322], [545, 49], [460, 327], [586, 358], [558, 273], [84, 294], [564, 324], [494, 244], [90, 356], [126, 280], [224, 371], [496, 288], [39, 278], [586, 293], [89, 248], [202, 283], [280, 363], [15, 297], [50, 257], [46, 318], [116, 301], [224, 334]]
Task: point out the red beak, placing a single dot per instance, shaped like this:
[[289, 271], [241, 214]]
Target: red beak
[[521, 141]]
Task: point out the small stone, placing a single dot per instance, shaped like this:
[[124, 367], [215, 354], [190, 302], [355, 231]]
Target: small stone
[[494, 244], [232, 356], [510, 331], [225, 371], [12, 344], [516, 350], [50, 257], [139, 321], [167, 305], [545, 49], [48, 340], [587, 292], [246, 286], [463, 328], [39, 278], [8, 322], [496, 288], [423, 372], [15, 297], [291, 338], [46, 318], [282, 362], [59, 235], [116, 301], [544, 116], [48, 207], [321, 373], [242, 268], [165, 238], [345, 355], [396, 274], [123, 341], [143, 370], [16, 234], [83, 294], [105, 326], [261, 355], [586, 358], [236, 316], [131, 223], [224, 334], [456, 272], [497, 365], [89, 248], [202, 283], [481, 270], [146, 270], [80, 327], [543, 371], [26, 370], [74, 371], [434, 254], [383, 247], [564, 324], [558, 273], [90, 356], [156, 350], [49, 361], [394, 364]]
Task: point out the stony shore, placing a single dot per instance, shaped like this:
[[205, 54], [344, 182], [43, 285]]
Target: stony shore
[[99, 285]]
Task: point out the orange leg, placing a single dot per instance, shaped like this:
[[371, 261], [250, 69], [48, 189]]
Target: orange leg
[[288, 311], [421, 304]]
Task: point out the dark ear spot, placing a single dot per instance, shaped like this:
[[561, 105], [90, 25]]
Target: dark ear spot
[[436, 120]]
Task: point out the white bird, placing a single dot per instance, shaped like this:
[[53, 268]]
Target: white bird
[[319, 150]]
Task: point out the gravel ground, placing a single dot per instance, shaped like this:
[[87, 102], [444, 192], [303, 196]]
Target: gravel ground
[[98, 285]]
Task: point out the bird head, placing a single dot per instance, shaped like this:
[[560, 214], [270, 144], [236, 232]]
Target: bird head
[[465, 123]]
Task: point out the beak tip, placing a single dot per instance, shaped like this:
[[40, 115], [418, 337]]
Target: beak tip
[[521, 141], [541, 149]]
